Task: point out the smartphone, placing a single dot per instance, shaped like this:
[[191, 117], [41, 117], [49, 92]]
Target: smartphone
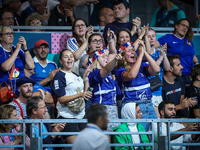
[[90, 89]]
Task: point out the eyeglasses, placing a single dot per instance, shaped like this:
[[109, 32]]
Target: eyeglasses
[[185, 25], [9, 33], [43, 47], [79, 25], [43, 107], [97, 41], [36, 23]]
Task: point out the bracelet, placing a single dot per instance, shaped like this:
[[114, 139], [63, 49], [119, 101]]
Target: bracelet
[[26, 50], [139, 39], [110, 41], [86, 80]]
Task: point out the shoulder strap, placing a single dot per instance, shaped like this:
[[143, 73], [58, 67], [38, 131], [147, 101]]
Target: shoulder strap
[[183, 47], [19, 108]]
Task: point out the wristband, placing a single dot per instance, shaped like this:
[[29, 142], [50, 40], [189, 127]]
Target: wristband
[[26, 50], [110, 41]]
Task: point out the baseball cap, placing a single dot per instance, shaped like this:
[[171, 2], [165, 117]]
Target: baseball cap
[[40, 42]]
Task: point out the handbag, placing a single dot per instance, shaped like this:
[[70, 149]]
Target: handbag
[[155, 83], [6, 93], [78, 104]]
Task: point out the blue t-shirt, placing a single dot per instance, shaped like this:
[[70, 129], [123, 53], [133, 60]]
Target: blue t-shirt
[[115, 26], [155, 56], [42, 72], [19, 66], [104, 89], [175, 47], [137, 89]]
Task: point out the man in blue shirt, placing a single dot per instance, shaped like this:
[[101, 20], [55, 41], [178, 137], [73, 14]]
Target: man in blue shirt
[[44, 70], [120, 11]]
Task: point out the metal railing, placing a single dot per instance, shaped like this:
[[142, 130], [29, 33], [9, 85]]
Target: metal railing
[[163, 141], [96, 28]]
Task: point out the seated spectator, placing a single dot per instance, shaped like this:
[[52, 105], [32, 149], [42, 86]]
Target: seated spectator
[[79, 41], [37, 6], [131, 111], [105, 16], [167, 110], [9, 112], [92, 138], [13, 59], [62, 14], [44, 70], [25, 88], [180, 43], [131, 74], [174, 89], [36, 109], [194, 91], [100, 79], [121, 10], [35, 19], [167, 15], [70, 90], [14, 7], [159, 55], [6, 17]]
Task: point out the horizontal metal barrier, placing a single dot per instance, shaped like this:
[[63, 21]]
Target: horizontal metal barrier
[[96, 28], [165, 140]]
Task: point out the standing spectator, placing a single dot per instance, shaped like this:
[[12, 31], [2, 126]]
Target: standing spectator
[[14, 6], [198, 22], [25, 87], [131, 111], [62, 14], [174, 89], [167, 15], [105, 16], [180, 43], [79, 41], [36, 109], [121, 10], [100, 79], [92, 137], [13, 60], [6, 17], [35, 19], [37, 6], [70, 90], [9, 112], [194, 91], [167, 110], [159, 55], [131, 75]]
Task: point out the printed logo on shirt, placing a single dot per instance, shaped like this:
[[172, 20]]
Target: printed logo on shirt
[[59, 20], [174, 42], [141, 74], [189, 43], [141, 94], [56, 84], [173, 91]]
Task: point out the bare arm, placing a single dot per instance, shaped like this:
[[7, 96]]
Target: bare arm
[[157, 44], [85, 76], [28, 58], [196, 113], [112, 48], [195, 60], [166, 65], [153, 68], [83, 2], [132, 74], [80, 50], [110, 66], [6, 65]]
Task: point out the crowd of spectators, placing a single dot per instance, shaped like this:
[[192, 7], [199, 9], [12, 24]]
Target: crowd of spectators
[[96, 82]]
